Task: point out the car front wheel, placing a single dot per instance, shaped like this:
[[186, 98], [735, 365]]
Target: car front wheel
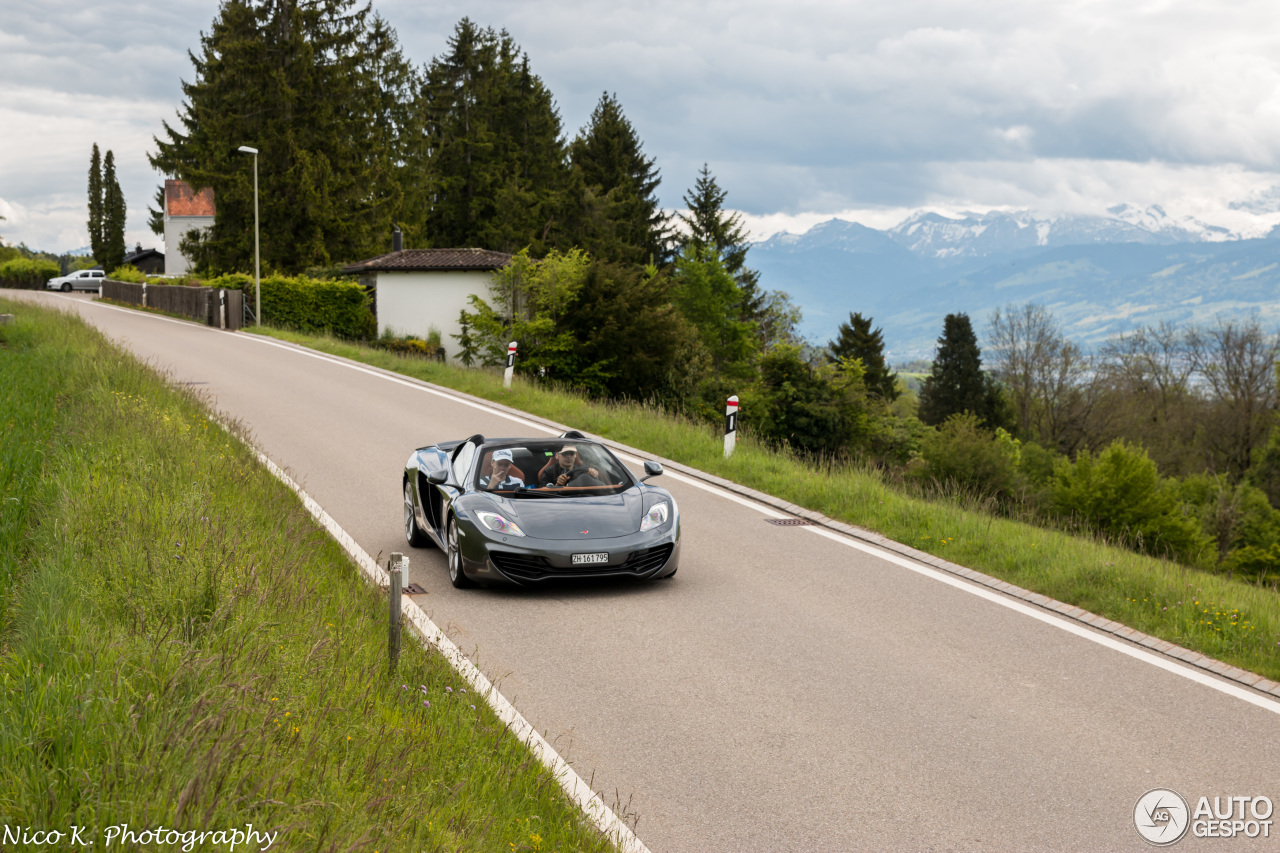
[[457, 577], [66, 287], [415, 537]]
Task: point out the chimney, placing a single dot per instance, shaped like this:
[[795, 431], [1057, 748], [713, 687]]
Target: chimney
[[397, 240]]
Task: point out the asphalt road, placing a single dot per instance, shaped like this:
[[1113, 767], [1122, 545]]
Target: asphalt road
[[784, 691]]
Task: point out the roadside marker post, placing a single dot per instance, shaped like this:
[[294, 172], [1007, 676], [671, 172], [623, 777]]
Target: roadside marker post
[[222, 308], [144, 294], [396, 568], [511, 365], [730, 425]]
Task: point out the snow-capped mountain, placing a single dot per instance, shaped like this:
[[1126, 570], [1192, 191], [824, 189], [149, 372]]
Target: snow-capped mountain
[[1101, 275]]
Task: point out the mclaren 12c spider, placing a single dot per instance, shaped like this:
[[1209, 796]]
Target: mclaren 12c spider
[[528, 511]]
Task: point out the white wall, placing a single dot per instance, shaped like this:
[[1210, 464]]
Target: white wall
[[175, 263], [414, 303]]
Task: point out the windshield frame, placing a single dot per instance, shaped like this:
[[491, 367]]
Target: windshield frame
[[536, 453]]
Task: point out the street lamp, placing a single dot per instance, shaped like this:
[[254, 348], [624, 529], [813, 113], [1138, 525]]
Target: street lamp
[[257, 283]]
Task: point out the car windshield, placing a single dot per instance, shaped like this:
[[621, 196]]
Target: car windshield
[[559, 468]]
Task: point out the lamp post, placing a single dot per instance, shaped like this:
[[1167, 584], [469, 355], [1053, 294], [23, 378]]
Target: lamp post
[[257, 282]]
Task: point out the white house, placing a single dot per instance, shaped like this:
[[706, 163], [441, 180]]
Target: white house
[[184, 210], [417, 291]]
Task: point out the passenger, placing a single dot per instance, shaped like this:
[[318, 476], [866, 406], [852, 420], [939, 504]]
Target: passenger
[[501, 478], [566, 468]]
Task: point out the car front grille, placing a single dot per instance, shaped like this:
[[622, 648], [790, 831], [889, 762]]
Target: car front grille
[[527, 567]]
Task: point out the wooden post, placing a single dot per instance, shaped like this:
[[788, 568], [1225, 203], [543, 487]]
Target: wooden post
[[396, 566]]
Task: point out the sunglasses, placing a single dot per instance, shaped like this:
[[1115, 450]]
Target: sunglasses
[[568, 453]]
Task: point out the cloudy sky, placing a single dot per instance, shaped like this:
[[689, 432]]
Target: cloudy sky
[[862, 109]]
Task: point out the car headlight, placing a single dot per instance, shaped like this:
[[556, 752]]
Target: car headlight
[[655, 517], [498, 524]]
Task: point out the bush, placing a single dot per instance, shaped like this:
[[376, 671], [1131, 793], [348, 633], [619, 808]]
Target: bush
[[409, 345], [27, 274], [127, 273], [340, 308], [1120, 492], [963, 452]]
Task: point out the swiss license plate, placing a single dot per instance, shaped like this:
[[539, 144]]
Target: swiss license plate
[[579, 559]]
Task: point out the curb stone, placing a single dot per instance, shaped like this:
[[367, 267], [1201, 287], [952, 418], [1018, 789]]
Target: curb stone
[[1250, 680]]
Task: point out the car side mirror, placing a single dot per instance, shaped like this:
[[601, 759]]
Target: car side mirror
[[651, 469]]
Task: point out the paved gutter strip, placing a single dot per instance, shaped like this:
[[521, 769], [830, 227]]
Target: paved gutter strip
[[1068, 611]]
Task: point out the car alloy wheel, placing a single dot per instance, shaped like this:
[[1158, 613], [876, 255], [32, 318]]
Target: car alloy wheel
[[457, 577], [66, 287], [415, 537]]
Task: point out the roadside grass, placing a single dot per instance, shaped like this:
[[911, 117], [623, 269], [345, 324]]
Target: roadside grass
[[1231, 620], [184, 647]]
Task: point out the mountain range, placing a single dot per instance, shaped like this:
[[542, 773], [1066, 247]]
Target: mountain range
[[1099, 275]]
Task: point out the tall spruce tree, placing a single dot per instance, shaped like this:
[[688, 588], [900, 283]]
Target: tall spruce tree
[[155, 215], [613, 198], [306, 84], [711, 228], [95, 203], [856, 339], [490, 157], [957, 382], [114, 215]]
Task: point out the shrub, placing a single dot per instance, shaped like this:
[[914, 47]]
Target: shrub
[[963, 452], [409, 345], [27, 274], [1119, 492], [816, 410], [127, 273], [340, 308]]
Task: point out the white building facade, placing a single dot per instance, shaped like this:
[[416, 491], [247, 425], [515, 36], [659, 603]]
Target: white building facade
[[420, 291], [184, 210]]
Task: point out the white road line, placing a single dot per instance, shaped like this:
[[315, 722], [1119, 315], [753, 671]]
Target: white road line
[[1070, 627]]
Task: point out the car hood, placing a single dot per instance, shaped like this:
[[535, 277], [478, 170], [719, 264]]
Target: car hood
[[581, 518]]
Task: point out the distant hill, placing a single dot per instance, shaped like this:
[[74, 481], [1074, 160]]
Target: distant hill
[[1099, 275]]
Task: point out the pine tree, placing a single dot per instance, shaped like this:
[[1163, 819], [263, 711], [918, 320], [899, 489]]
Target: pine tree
[[155, 215], [855, 339], [957, 383], [114, 215], [772, 312], [308, 85], [491, 157], [95, 203], [617, 211]]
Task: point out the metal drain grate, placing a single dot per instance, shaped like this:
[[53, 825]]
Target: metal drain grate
[[789, 522], [414, 589]]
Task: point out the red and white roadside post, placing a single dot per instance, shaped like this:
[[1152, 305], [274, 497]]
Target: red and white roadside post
[[511, 365], [730, 425]]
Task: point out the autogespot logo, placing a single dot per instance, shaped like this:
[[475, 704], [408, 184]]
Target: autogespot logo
[[1161, 817]]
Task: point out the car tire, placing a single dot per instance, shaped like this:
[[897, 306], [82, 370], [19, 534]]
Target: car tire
[[412, 534], [66, 287], [453, 554]]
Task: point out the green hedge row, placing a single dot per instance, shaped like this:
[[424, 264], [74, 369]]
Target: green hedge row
[[26, 274], [341, 308]]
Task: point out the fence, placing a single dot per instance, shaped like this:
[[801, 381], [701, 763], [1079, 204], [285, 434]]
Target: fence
[[198, 303]]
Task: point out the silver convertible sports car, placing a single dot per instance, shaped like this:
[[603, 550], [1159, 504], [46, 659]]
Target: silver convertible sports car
[[531, 510]]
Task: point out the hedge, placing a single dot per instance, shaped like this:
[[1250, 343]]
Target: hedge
[[311, 305], [26, 274]]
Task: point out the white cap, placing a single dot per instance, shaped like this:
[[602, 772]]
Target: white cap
[[499, 455]]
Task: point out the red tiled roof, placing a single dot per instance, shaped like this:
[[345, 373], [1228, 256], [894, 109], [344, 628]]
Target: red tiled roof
[[422, 260], [179, 199]]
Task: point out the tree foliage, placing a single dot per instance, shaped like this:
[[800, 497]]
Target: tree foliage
[[95, 203], [819, 410], [957, 382], [490, 158], [313, 87], [612, 201], [114, 215], [856, 339]]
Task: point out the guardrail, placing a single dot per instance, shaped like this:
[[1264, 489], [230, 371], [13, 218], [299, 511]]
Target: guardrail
[[202, 304]]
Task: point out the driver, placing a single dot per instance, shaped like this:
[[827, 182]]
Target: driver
[[566, 467], [501, 478]]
